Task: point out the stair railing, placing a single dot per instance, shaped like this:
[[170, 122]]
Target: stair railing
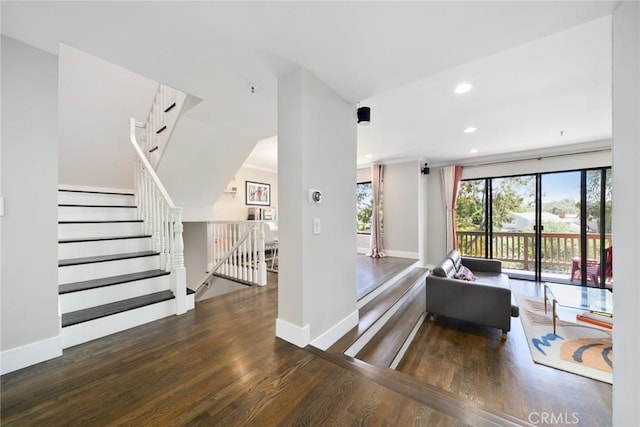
[[163, 115], [162, 219], [237, 252]]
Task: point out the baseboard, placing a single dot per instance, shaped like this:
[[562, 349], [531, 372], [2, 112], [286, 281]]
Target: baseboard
[[300, 336], [393, 253], [73, 187], [334, 333], [30, 354], [402, 254]]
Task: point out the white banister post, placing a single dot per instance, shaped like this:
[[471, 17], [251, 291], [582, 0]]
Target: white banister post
[[179, 273], [262, 265]]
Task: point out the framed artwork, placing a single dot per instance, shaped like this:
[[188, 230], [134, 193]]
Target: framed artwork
[[257, 194]]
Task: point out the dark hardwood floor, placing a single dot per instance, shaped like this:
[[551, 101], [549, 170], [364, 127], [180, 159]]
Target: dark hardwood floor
[[222, 365], [475, 364], [372, 272]]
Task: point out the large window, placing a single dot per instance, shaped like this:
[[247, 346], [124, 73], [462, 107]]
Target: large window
[[364, 207], [553, 226]]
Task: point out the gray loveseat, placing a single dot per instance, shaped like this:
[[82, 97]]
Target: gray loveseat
[[486, 301]]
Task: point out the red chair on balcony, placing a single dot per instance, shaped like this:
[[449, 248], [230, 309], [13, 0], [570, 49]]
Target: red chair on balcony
[[593, 268]]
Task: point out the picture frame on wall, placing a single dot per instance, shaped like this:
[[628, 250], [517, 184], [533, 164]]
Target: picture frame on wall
[[257, 194]]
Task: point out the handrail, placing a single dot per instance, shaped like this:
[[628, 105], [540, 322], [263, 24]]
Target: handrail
[[205, 282], [558, 249], [236, 250], [161, 218], [145, 162]]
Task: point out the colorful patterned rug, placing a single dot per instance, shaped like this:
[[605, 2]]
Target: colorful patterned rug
[[575, 348]]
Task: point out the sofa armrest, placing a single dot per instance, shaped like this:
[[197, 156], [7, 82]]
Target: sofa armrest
[[482, 264]]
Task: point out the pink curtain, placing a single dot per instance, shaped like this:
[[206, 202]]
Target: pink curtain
[[450, 180], [376, 249], [454, 198]]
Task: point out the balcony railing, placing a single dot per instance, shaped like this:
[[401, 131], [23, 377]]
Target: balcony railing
[[516, 249]]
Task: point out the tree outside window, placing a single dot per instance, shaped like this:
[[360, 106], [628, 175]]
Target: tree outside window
[[364, 207]]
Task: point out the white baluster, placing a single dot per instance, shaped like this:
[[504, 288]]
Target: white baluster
[[262, 265]]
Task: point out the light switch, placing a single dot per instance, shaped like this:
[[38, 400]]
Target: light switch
[[316, 225]]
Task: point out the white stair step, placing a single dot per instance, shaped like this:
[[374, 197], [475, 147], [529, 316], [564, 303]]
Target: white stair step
[[95, 198], [101, 327], [103, 246], [96, 270], [80, 300], [72, 212], [99, 229]]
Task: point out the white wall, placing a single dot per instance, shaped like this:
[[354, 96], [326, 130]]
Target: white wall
[[436, 226], [400, 209], [626, 213], [232, 207], [544, 164], [316, 150], [195, 252], [29, 277], [199, 162], [97, 99]]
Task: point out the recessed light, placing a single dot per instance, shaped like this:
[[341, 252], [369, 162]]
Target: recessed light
[[463, 87], [473, 150], [470, 129], [368, 156]]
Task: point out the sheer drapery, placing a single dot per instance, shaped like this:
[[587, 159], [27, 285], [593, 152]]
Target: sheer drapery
[[451, 177], [376, 249]]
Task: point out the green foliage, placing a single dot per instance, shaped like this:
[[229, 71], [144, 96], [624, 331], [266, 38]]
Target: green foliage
[[470, 206], [593, 197], [364, 207], [509, 195], [559, 227]]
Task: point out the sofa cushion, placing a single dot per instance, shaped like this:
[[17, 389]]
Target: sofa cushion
[[495, 279], [455, 257], [445, 269], [465, 274]]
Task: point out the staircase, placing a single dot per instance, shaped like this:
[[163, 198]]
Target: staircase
[[110, 278], [389, 319]]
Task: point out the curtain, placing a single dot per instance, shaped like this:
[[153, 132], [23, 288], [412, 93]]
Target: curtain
[[451, 177], [376, 249]]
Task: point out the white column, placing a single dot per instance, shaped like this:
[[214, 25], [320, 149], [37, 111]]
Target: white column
[[626, 213], [179, 273], [317, 272]]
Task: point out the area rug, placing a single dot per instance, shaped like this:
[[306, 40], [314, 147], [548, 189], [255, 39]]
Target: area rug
[[575, 348]]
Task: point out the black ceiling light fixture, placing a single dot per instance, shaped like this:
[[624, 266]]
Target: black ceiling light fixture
[[364, 115]]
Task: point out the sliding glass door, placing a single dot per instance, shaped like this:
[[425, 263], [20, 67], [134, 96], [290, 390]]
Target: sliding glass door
[[513, 211], [550, 227], [560, 236]]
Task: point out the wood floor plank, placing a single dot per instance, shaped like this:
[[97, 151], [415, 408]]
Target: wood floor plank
[[382, 349], [376, 308], [475, 364], [222, 365]]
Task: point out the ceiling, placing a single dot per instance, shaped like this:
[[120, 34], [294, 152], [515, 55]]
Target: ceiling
[[538, 68]]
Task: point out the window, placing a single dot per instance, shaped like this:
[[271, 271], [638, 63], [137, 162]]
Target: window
[[364, 207], [543, 226]]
